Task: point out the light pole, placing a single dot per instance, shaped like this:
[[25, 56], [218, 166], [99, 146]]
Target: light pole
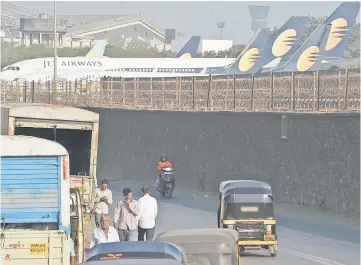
[[55, 53], [221, 25]]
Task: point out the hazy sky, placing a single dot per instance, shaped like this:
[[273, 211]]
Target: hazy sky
[[193, 18]]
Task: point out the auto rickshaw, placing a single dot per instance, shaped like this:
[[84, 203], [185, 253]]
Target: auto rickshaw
[[205, 246], [247, 207], [137, 250]]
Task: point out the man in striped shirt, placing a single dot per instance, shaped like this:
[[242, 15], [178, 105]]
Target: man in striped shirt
[[125, 217]]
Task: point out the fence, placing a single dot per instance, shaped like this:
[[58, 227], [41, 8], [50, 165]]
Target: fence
[[314, 91]]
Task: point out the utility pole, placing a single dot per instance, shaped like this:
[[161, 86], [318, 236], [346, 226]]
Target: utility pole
[[55, 53]]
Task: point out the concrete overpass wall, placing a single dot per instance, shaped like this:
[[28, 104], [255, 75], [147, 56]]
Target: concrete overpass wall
[[310, 159]]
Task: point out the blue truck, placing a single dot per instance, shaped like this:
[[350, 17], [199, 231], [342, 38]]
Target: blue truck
[[37, 203]]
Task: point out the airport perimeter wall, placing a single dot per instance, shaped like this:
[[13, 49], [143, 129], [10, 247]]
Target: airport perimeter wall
[[311, 159]]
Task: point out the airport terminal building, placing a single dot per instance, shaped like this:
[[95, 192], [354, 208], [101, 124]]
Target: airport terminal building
[[27, 27]]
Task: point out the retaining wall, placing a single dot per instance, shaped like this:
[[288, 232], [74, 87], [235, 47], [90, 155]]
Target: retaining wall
[[311, 159]]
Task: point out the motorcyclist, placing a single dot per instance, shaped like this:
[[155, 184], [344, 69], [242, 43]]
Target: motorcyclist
[[164, 162]]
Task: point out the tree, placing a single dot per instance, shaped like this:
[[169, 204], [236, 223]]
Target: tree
[[353, 47], [235, 50], [311, 25]]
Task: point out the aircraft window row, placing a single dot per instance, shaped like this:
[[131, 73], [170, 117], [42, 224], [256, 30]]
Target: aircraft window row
[[186, 70], [132, 70]]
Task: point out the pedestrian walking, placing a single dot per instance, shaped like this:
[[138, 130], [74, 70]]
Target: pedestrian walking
[[148, 209], [105, 233], [103, 199], [125, 217]]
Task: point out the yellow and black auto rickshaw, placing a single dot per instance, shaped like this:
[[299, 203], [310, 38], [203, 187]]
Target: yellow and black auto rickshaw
[[247, 207]]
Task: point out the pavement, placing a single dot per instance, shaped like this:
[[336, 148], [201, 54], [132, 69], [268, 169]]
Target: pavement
[[305, 236]]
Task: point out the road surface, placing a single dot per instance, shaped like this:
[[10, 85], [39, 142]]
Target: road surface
[[305, 236]]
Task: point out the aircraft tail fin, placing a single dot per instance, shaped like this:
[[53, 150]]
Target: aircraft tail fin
[[246, 62], [97, 50], [190, 49], [342, 20], [285, 41]]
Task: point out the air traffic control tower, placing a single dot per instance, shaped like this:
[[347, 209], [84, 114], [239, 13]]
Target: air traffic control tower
[[259, 15]]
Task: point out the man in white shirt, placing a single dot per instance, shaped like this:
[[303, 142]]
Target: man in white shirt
[[105, 233], [103, 199], [148, 213]]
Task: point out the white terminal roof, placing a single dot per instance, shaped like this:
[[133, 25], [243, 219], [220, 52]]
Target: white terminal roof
[[97, 26]]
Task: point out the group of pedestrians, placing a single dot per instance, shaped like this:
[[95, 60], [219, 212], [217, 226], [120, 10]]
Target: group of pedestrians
[[132, 221]]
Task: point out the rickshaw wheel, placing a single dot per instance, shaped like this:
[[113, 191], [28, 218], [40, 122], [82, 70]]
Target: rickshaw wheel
[[273, 250], [241, 250]]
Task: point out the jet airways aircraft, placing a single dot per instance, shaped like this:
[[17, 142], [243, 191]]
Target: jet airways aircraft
[[93, 60], [342, 21]]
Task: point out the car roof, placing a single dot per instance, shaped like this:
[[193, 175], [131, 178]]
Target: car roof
[[131, 247], [200, 235]]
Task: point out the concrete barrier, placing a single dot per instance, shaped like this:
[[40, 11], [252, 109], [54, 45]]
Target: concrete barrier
[[310, 159]]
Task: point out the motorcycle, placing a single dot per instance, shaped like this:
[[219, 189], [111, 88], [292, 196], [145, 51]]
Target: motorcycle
[[166, 183]]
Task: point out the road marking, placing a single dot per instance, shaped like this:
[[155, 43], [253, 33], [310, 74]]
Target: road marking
[[312, 258], [341, 242]]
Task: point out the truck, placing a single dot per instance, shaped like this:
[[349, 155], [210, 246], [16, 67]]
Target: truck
[[74, 128], [36, 218]]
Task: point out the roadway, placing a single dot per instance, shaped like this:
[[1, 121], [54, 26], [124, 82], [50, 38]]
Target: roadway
[[305, 236]]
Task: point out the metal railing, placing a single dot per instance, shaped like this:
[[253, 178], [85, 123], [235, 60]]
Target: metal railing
[[335, 91]]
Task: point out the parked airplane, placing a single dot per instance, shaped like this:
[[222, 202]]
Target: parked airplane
[[342, 21], [42, 68]]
